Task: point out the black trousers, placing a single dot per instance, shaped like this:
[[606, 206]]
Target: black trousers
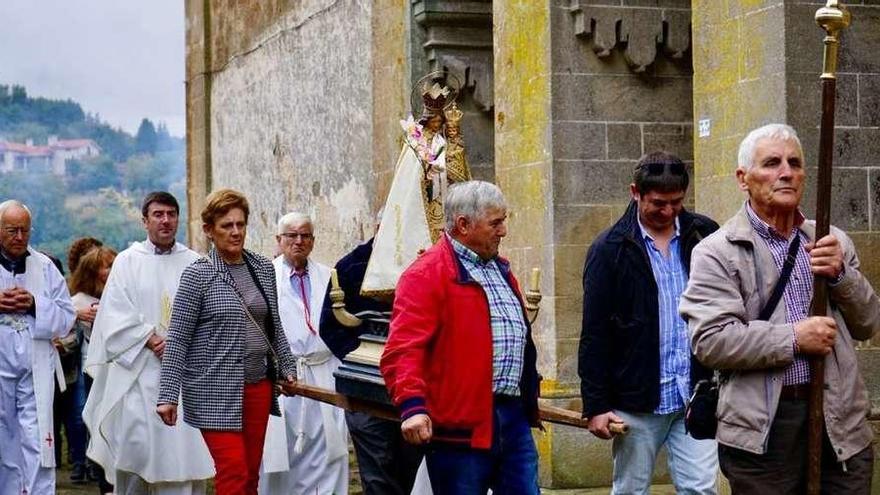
[[783, 468], [387, 464]]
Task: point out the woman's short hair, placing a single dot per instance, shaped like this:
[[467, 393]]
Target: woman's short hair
[[85, 278], [220, 202], [471, 199]]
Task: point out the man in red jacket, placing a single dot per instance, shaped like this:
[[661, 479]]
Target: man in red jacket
[[460, 360]]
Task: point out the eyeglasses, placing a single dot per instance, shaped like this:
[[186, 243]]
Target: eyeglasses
[[657, 168], [14, 231], [294, 235]]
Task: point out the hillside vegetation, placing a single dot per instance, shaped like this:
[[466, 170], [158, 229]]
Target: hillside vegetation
[[100, 196]]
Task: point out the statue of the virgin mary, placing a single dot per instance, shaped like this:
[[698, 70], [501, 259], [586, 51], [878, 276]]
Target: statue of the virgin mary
[[432, 158]]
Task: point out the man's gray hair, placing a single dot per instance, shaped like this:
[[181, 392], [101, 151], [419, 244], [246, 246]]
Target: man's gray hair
[[292, 218], [9, 203], [779, 132], [471, 199]]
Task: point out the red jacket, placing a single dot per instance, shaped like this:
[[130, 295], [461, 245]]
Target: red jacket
[[438, 359]]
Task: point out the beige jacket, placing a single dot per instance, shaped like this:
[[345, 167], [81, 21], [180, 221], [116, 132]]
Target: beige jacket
[[732, 275]]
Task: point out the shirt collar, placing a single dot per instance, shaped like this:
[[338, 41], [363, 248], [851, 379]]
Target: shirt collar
[[766, 230], [156, 249], [304, 273], [647, 236], [467, 254], [16, 266]]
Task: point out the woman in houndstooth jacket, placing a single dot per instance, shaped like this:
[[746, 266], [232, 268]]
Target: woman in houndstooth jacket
[[225, 347]]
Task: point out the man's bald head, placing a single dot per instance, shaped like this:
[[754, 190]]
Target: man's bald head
[[15, 228]]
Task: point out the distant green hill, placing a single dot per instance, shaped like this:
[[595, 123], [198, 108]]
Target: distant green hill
[[99, 196]]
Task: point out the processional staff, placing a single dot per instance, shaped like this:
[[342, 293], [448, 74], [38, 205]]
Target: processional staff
[[833, 17]]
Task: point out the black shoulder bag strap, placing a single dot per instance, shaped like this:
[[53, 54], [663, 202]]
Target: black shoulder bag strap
[[787, 267]]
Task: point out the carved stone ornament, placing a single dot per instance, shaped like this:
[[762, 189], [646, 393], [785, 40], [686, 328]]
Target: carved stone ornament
[[640, 29], [459, 39]]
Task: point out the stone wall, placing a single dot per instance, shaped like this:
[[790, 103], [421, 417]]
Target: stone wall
[[289, 115]]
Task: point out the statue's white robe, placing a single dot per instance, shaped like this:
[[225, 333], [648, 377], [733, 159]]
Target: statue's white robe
[[28, 367], [317, 437], [126, 433], [403, 229]]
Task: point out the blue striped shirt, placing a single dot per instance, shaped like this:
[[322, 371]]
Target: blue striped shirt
[[675, 353], [508, 324], [798, 292]]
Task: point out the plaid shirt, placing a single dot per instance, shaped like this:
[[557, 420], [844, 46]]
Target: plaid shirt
[[675, 351], [799, 291], [508, 326]]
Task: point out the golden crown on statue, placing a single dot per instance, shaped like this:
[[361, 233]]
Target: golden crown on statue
[[453, 114]]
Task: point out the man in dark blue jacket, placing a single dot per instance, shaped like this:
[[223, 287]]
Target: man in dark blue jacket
[[387, 464], [634, 359]]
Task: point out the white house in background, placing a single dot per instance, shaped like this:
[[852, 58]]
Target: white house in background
[[52, 157]]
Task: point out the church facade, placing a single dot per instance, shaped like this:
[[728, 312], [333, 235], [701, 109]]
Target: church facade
[[297, 103]]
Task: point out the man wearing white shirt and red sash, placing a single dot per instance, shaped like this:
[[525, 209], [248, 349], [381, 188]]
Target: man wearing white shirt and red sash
[[317, 437]]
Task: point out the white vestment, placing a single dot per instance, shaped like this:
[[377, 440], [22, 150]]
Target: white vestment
[[317, 437], [28, 367], [120, 412]]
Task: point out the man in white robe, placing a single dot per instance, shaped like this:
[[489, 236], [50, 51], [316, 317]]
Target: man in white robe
[[35, 307], [317, 437], [138, 452]]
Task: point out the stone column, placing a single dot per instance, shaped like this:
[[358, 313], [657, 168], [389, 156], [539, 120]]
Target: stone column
[[198, 113], [390, 89]]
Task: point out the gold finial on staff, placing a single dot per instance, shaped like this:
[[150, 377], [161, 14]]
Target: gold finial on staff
[[833, 17]]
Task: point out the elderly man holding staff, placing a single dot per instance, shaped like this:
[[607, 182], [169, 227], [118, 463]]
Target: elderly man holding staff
[[225, 346], [762, 408]]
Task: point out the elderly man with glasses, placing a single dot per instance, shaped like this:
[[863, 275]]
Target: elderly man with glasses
[[315, 459], [35, 307], [634, 359]]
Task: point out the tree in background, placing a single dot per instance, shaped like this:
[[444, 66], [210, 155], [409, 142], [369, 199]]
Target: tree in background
[[44, 194], [164, 141], [146, 139], [91, 174]]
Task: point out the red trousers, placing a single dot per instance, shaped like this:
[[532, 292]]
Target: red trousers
[[237, 454]]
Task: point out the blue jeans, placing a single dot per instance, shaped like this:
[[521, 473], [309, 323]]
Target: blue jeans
[[510, 467], [693, 464], [68, 407]]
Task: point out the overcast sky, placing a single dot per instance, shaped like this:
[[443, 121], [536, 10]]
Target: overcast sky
[[122, 59]]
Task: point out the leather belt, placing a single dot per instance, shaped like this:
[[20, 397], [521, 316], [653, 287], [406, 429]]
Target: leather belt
[[499, 399], [799, 392]]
